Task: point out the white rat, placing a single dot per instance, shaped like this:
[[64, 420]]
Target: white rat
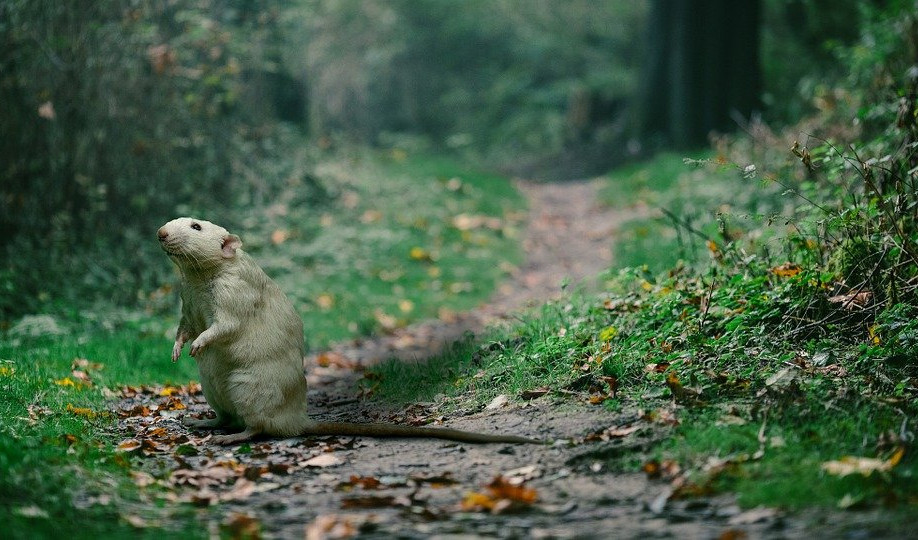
[[248, 342]]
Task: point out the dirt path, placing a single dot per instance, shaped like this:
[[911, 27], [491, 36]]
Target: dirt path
[[333, 488], [568, 237]]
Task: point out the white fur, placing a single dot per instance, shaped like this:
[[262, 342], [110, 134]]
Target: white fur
[[245, 333]]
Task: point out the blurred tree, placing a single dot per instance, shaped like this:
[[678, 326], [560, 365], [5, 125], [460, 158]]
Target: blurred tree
[[702, 68], [116, 116]]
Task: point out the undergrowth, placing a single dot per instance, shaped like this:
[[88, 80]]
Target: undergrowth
[[781, 337], [398, 238]]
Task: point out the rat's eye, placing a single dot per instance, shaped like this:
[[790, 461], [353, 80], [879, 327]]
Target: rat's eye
[[196, 226]]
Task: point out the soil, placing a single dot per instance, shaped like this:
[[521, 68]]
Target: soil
[[375, 488]]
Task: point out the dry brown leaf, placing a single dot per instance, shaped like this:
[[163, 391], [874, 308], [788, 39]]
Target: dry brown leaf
[[372, 501], [142, 479], [854, 300], [242, 526], [501, 488], [535, 392], [128, 445], [279, 236], [787, 269], [334, 359], [329, 527]]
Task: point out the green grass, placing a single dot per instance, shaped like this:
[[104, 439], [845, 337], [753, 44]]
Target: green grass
[[723, 325], [386, 250], [649, 182], [724, 356], [692, 197], [63, 462], [381, 250]]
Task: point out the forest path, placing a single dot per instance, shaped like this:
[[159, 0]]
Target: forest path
[[568, 236], [338, 487]]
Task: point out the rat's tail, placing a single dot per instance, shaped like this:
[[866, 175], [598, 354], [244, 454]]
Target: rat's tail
[[395, 430]]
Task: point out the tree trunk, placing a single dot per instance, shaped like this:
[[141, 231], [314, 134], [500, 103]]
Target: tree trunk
[[702, 68]]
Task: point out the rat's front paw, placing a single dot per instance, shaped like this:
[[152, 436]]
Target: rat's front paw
[[196, 346], [177, 350]]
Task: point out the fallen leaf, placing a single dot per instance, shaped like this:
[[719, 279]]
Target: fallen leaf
[[135, 521], [81, 411], [419, 254], [852, 300], [242, 526], [335, 359], [330, 527], [371, 501], [46, 111], [279, 236], [365, 482], [760, 513], [142, 479], [522, 474], [503, 496], [787, 269], [501, 488], [128, 445], [322, 460], [325, 301], [498, 402], [608, 333], [861, 465], [535, 392], [406, 306]]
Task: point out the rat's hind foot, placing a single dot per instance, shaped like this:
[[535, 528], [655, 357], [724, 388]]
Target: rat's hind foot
[[206, 423], [245, 435]]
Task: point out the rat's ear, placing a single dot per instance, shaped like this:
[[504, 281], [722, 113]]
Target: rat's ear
[[231, 243]]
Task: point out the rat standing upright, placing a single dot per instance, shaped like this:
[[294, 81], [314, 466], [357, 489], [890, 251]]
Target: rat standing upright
[[248, 342]]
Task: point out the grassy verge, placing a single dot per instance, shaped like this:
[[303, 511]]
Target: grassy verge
[[775, 357], [57, 462], [395, 239]]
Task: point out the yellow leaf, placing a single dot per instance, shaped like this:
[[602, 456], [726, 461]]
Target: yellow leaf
[[861, 465], [608, 333], [7, 371], [474, 501], [169, 390], [646, 285], [873, 334], [419, 254], [712, 247], [81, 411], [66, 381]]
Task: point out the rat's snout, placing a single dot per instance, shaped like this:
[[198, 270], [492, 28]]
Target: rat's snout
[[163, 234]]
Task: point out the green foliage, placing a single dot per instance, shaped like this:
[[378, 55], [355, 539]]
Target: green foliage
[[114, 117], [505, 78], [789, 340]]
